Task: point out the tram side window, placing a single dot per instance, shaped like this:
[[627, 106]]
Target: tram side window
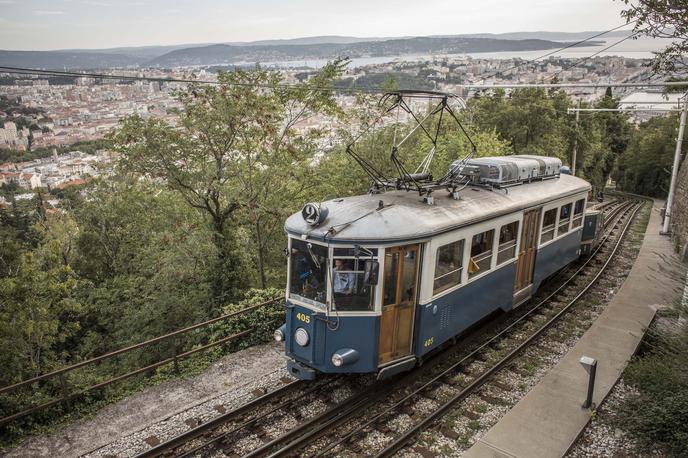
[[481, 253], [564, 219], [578, 213], [548, 222], [448, 266], [349, 291], [507, 242]]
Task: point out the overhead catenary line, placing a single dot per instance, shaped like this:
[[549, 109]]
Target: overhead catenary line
[[532, 61], [585, 59], [74, 74], [107, 76], [38, 72], [593, 110]]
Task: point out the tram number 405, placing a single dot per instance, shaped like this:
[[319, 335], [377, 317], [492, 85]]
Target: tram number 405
[[303, 317], [428, 342]]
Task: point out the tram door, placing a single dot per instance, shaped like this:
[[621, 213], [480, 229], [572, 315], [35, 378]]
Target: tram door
[[399, 286], [526, 255]]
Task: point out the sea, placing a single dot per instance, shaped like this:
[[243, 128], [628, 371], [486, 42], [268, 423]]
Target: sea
[[641, 48]]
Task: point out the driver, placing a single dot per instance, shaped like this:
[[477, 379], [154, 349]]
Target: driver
[[343, 281]]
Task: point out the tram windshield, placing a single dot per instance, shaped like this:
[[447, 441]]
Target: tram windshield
[[308, 277], [350, 293]]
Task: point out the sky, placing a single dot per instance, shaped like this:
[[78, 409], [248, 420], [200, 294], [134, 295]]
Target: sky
[[89, 24]]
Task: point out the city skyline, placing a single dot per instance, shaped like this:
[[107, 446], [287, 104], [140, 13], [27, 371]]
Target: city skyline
[[97, 24]]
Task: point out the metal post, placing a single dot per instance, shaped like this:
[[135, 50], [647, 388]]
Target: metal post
[[674, 169], [590, 366], [575, 141]]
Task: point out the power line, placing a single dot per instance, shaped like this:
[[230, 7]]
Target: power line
[[575, 85], [38, 72], [532, 61], [575, 64]]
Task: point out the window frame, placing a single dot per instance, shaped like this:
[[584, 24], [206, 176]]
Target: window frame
[[552, 227], [577, 218], [377, 310], [460, 269], [331, 294], [566, 221], [512, 243], [482, 256]]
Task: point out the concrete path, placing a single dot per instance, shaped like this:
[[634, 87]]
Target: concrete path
[[549, 419]]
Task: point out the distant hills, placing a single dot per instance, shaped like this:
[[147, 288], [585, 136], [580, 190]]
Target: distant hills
[[224, 54], [308, 48]]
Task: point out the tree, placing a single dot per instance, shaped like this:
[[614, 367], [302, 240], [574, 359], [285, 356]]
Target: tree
[[235, 156], [662, 19], [644, 166]]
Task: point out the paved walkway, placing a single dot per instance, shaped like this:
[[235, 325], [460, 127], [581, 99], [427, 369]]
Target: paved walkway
[[549, 419]]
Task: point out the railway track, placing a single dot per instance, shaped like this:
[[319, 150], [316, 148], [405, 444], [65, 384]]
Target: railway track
[[445, 380]]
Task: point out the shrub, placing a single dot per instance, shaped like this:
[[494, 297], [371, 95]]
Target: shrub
[[658, 416]]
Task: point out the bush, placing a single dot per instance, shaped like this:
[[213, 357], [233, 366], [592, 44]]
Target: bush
[[658, 416]]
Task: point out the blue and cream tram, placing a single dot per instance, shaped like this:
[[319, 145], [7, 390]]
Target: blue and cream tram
[[377, 281]]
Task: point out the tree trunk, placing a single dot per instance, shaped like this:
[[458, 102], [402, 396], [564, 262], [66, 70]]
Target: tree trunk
[[261, 255], [227, 282]]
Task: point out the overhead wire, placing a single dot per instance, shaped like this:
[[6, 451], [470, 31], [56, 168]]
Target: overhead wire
[[106, 76], [585, 59], [360, 90], [571, 45]]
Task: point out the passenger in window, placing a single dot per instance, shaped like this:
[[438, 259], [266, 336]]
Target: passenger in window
[[343, 281], [306, 277]]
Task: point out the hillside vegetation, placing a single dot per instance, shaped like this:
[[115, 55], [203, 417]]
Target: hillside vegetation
[[192, 220]]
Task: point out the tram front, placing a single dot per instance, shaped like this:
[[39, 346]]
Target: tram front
[[331, 321]]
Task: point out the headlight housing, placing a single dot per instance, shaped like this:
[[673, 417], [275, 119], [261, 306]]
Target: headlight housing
[[301, 337], [278, 335], [344, 356]]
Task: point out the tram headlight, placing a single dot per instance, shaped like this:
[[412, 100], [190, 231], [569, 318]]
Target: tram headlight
[[278, 335], [301, 337], [344, 356]]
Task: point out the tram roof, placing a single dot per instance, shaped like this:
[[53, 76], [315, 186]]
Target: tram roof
[[406, 217]]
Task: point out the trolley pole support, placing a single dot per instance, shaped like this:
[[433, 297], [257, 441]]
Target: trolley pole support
[[674, 170], [590, 365]]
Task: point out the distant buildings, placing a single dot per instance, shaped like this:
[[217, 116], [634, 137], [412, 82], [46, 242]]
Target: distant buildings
[[57, 172]]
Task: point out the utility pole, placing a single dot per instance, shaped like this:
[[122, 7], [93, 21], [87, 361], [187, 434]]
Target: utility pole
[[575, 141], [674, 169]]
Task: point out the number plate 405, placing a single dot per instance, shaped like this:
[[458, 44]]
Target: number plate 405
[[303, 317]]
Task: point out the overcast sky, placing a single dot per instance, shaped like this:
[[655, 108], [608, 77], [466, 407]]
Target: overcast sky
[[60, 24]]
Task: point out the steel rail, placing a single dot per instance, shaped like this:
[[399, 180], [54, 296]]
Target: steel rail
[[319, 425], [192, 434], [401, 441]]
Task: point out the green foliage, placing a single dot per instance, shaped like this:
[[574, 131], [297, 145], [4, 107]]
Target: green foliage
[[398, 80], [645, 166], [87, 146], [236, 158], [657, 418], [535, 121], [662, 19]]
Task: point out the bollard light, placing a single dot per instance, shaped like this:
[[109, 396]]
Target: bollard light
[[590, 365]]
